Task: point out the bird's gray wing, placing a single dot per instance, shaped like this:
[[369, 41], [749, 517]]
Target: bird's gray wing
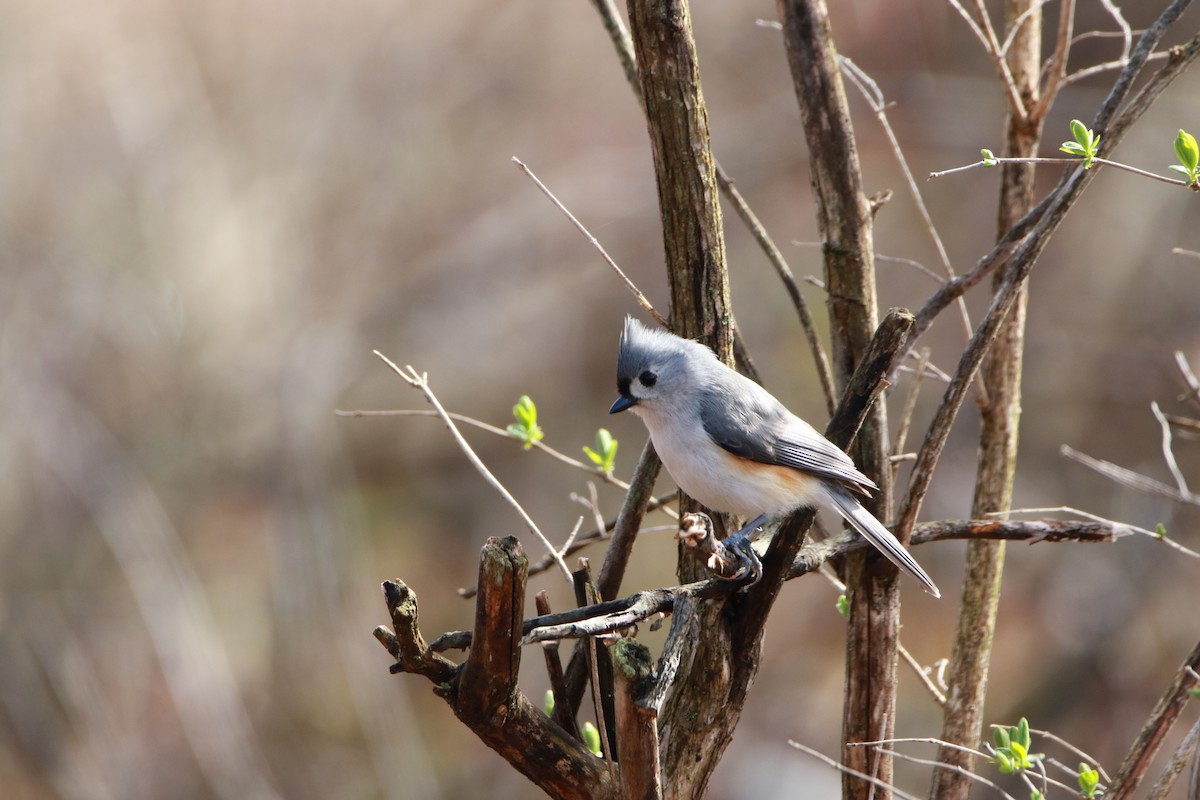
[[748, 422]]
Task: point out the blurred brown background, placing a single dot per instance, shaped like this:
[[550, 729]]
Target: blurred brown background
[[211, 213]]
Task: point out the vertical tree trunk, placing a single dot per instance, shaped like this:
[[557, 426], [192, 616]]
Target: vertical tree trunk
[[1000, 410], [845, 224], [697, 722]]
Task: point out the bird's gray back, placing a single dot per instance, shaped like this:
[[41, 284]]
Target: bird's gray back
[[747, 421]]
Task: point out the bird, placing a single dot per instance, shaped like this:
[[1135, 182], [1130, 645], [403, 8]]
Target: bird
[[730, 444]]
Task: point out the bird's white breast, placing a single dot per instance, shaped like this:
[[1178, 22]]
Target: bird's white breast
[[721, 480]]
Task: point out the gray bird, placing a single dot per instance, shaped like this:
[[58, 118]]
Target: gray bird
[[731, 445]]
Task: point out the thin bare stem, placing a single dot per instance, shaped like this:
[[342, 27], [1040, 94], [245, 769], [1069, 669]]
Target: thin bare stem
[[1189, 377], [1168, 450], [501, 432], [1117, 526], [923, 675], [1083, 755], [420, 381], [1054, 160], [629, 284], [1019, 23], [1131, 479], [1058, 61], [931, 762], [843, 768], [986, 35], [1107, 66]]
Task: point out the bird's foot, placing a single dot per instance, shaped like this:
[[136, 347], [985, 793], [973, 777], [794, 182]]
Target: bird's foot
[[739, 546]]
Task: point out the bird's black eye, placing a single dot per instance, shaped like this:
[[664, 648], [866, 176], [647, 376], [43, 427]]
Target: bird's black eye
[[648, 379]]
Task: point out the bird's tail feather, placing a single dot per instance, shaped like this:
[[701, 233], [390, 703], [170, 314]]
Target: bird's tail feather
[[865, 523]]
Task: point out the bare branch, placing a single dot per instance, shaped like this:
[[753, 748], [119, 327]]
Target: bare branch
[[643, 301], [847, 770], [1157, 726], [1130, 479], [1168, 451], [420, 381]]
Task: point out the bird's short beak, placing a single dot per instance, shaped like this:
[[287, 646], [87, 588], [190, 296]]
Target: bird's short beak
[[623, 402]]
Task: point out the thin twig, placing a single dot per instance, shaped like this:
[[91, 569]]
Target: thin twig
[[910, 402], [874, 96], [922, 674], [986, 35], [1131, 479], [1189, 377], [1064, 743], [1107, 66], [1019, 23], [843, 768], [931, 762], [1057, 70], [557, 455], [420, 381], [629, 284], [1124, 527], [1168, 450]]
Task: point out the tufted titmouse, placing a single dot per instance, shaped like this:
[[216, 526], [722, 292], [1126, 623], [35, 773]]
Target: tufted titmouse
[[731, 445]]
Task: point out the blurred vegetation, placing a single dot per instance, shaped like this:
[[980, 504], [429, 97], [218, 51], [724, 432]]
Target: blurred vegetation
[[212, 212]]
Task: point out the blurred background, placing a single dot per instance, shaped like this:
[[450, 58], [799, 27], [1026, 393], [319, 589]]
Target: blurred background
[[210, 215]]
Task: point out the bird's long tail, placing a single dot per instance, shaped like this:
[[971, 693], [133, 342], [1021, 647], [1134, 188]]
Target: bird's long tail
[[865, 523]]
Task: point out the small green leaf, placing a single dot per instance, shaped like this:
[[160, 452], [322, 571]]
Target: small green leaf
[[525, 428], [604, 457], [1160, 530], [1022, 735], [1001, 737], [1088, 779], [1086, 144], [591, 738], [1034, 794], [1186, 149], [1081, 133], [989, 159], [843, 605], [549, 702], [1004, 763], [1194, 691]]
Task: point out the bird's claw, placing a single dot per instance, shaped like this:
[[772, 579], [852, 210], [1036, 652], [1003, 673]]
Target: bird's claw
[[749, 564]]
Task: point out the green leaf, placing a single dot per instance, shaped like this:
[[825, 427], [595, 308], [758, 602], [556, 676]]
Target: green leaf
[[1004, 763], [525, 428], [843, 605], [1034, 794], [1194, 691], [1088, 779], [604, 457], [549, 702], [1022, 734], [1081, 134], [989, 159], [1188, 152], [1001, 737], [591, 738], [1086, 144], [1160, 530]]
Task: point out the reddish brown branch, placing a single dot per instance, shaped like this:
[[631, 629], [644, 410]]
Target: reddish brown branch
[[1159, 724], [483, 692]]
